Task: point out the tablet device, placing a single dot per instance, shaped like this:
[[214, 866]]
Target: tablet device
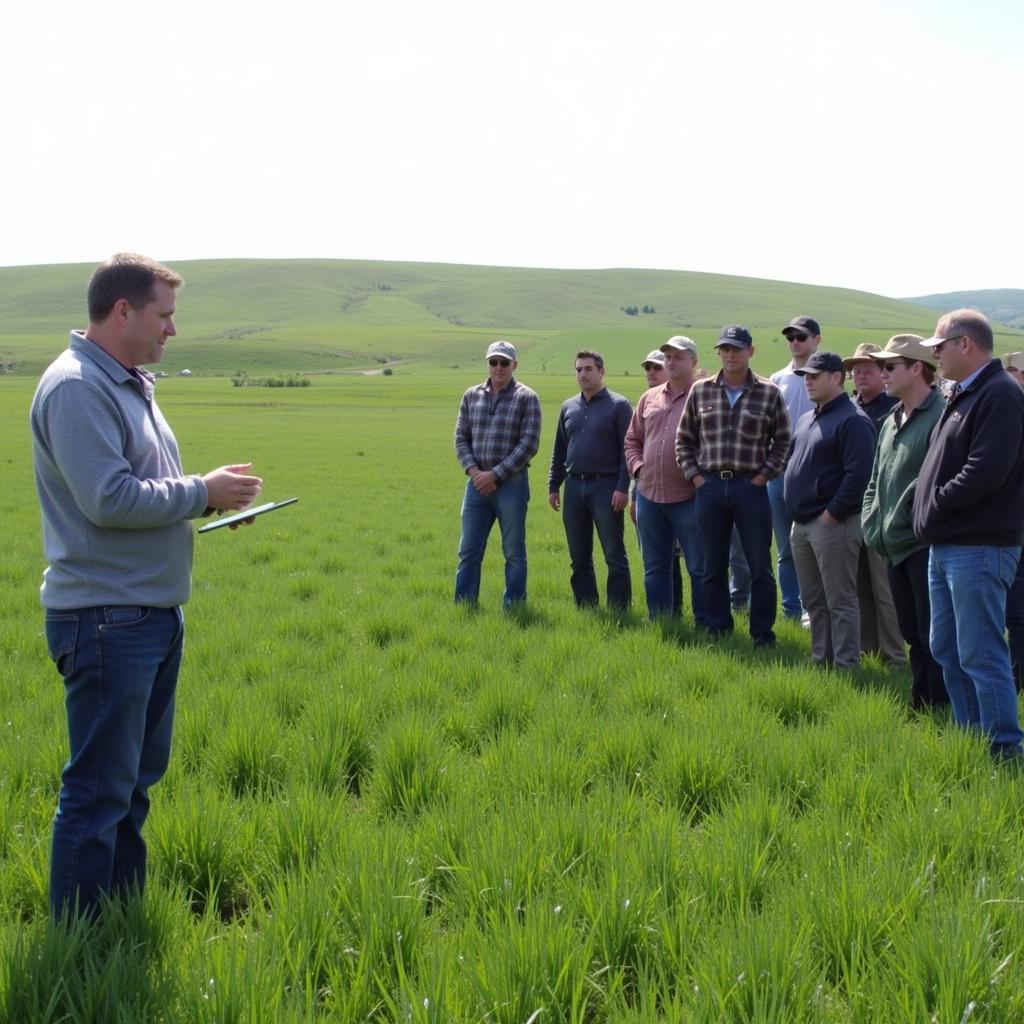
[[248, 513]]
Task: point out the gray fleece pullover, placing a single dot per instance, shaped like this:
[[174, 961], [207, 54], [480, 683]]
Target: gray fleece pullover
[[114, 498]]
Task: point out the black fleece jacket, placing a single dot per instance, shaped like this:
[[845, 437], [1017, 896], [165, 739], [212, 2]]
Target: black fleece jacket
[[971, 487]]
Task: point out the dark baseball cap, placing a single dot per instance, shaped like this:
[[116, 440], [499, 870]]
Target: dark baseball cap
[[822, 362], [736, 336], [807, 324]]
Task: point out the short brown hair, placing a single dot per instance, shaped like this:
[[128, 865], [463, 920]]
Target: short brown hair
[[589, 353], [971, 322], [128, 276]]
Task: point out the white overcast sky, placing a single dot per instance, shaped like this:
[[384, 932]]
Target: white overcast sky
[[874, 144]]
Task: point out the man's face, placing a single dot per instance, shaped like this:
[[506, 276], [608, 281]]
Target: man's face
[[735, 358], [148, 328], [589, 376], [867, 379], [802, 344], [953, 362], [678, 363], [823, 387], [656, 374], [500, 370], [896, 377]]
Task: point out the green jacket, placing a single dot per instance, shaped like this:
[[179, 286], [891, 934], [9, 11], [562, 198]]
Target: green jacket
[[887, 514]]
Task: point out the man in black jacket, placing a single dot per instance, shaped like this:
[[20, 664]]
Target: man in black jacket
[[827, 474], [969, 506]]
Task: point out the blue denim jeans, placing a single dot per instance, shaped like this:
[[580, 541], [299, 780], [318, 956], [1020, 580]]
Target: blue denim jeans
[[967, 586], [507, 505], [720, 505], [1015, 625], [120, 668], [782, 526], [661, 524], [586, 505]]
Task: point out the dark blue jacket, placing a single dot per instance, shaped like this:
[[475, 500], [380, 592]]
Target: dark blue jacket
[[971, 487], [833, 450]]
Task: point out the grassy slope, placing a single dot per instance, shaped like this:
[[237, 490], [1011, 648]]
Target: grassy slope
[[1003, 304], [322, 315]]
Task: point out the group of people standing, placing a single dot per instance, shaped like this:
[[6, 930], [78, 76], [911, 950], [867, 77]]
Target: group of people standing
[[897, 513]]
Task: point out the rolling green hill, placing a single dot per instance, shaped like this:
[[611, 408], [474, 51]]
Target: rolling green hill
[[307, 316], [1003, 304]]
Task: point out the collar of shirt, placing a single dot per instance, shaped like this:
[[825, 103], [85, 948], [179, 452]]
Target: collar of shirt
[[820, 410], [746, 385], [488, 386], [603, 393], [901, 416], [968, 381]]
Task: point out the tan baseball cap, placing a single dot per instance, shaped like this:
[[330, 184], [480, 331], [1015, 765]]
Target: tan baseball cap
[[864, 351], [1013, 361], [906, 346]]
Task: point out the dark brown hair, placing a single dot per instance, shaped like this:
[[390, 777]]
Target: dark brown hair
[[128, 276]]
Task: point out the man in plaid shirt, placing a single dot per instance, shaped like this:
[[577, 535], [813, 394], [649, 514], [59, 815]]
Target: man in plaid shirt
[[733, 437], [496, 435]]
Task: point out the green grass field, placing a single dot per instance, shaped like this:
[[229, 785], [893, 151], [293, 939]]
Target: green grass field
[[382, 807]]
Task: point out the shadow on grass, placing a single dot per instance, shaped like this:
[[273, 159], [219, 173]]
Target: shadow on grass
[[526, 616]]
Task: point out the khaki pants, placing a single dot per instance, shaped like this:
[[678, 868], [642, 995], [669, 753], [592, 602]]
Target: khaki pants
[[879, 627], [825, 556]]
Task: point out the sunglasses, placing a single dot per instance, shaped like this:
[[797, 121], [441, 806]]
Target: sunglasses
[[797, 336], [889, 367], [945, 341], [499, 362]]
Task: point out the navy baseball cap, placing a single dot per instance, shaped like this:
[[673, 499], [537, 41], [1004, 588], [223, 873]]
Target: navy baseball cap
[[822, 362], [736, 336], [807, 324]]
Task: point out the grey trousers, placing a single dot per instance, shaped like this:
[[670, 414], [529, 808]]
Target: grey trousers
[[825, 556], [879, 627]]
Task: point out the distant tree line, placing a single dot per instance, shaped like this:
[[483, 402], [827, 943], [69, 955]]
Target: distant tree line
[[242, 380], [635, 310]]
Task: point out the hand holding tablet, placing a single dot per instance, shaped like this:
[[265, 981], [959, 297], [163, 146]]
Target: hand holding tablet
[[248, 513]]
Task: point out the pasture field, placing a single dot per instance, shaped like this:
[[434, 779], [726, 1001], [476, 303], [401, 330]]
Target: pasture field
[[382, 807]]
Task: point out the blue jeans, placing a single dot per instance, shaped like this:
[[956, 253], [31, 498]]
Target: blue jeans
[[967, 586], [1015, 625], [739, 573], [588, 504], [661, 524], [782, 526], [720, 505], [120, 668], [507, 505]]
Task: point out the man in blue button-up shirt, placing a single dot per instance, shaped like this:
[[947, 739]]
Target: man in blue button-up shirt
[[588, 457]]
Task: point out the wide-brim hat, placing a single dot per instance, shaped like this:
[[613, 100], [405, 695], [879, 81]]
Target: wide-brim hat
[[906, 346], [863, 353]]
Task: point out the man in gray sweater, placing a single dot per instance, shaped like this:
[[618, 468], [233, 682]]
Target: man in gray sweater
[[116, 508]]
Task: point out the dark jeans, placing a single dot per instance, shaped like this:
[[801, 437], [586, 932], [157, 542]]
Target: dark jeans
[[587, 505], [120, 668], [1015, 625], [722, 504], [662, 524], [908, 582]]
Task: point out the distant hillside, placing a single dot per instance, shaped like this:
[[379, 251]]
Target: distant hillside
[[1003, 304], [328, 315]]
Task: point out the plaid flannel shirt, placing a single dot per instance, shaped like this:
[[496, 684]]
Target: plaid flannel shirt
[[753, 436], [499, 431]]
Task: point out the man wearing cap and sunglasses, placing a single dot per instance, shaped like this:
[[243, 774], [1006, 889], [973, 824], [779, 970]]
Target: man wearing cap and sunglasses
[[733, 438], [969, 506], [496, 435], [655, 375], [879, 625], [908, 370], [665, 508], [833, 448]]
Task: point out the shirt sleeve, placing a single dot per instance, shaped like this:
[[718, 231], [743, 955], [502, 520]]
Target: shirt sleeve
[[464, 435], [688, 437], [858, 454], [623, 416], [782, 439], [556, 475], [84, 435], [633, 443], [529, 440]]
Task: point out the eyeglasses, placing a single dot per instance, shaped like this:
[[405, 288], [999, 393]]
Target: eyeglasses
[[945, 341], [889, 367], [797, 336], [499, 362]]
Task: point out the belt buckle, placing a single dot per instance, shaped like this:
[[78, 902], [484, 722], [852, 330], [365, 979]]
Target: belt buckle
[[726, 474]]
